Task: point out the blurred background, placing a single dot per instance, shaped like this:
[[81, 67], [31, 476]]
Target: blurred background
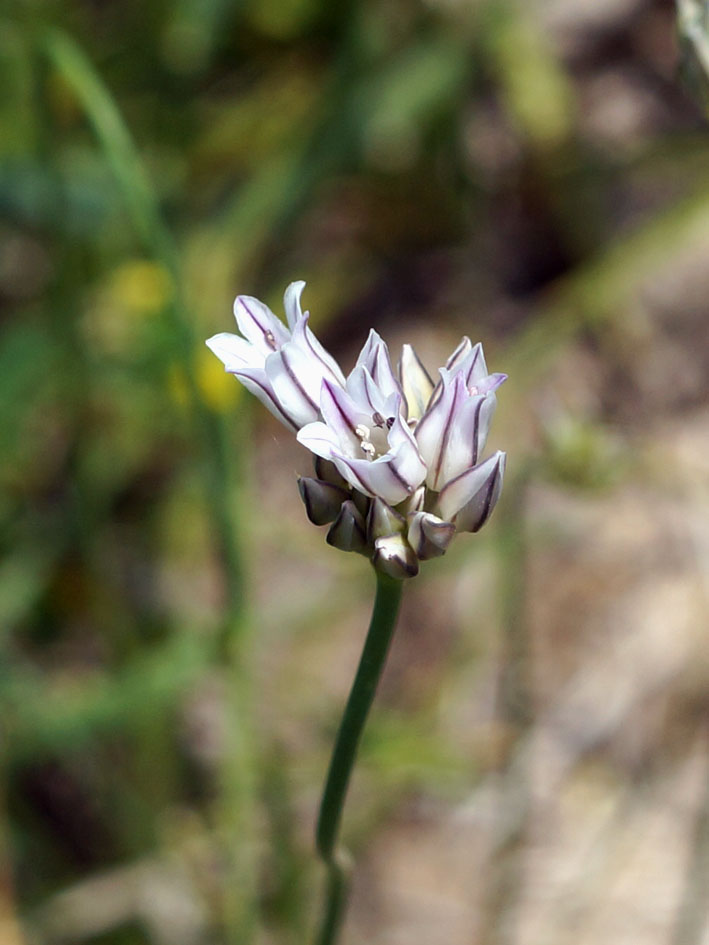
[[176, 641]]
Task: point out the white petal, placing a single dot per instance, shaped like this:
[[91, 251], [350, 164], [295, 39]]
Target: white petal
[[259, 325], [343, 416], [375, 357], [363, 390], [415, 382], [472, 495], [291, 302], [319, 439], [295, 385], [234, 352], [467, 437], [433, 430], [321, 361], [460, 352], [256, 381]]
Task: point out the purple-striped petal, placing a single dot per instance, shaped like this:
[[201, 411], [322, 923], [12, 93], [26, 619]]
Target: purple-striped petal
[[259, 325], [256, 381], [467, 437], [320, 439], [295, 384], [234, 352], [434, 429], [375, 357], [470, 498], [463, 349], [322, 363], [291, 303], [365, 392], [343, 416]]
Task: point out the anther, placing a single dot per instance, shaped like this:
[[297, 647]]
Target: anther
[[390, 422], [367, 448], [362, 431], [378, 419]]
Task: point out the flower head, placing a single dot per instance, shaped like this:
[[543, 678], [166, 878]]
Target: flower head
[[398, 459]]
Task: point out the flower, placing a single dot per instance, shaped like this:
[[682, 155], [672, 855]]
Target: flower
[[398, 459], [283, 367]]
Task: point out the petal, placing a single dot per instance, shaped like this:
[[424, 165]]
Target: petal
[[472, 366], [416, 382], [464, 347], [343, 416], [322, 362], [471, 496], [375, 357], [434, 428], [291, 303], [363, 390], [467, 437], [294, 382], [234, 351], [320, 439], [491, 383], [256, 381], [259, 325]]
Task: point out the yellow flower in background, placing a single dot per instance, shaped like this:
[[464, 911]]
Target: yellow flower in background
[[141, 286], [216, 386]]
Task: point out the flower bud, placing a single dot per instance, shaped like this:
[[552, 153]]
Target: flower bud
[[395, 557], [429, 535], [348, 531], [414, 503], [327, 471], [322, 500], [383, 520]]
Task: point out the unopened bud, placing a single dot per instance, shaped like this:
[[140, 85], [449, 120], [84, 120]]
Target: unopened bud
[[327, 470], [414, 503], [348, 531], [322, 500], [383, 520], [394, 556], [429, 535]]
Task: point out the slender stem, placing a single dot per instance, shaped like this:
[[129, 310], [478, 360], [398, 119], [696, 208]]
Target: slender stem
[[369, 671]]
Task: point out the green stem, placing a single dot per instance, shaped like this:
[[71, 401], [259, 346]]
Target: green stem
[[369, 671]]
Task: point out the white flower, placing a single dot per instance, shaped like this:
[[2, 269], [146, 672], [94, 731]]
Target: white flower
[[398, 458], [283, 367], [364, 430]]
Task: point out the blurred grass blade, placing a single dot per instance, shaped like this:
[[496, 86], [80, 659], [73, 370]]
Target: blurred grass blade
[[79, 74]]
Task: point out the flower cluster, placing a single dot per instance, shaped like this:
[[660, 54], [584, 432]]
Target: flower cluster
[[398, 467]]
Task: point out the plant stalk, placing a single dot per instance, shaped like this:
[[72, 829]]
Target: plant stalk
[[364, 687]]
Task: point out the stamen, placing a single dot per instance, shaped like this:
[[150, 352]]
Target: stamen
[[390, 422], [362, 431], [378, 419], [367, 448]]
